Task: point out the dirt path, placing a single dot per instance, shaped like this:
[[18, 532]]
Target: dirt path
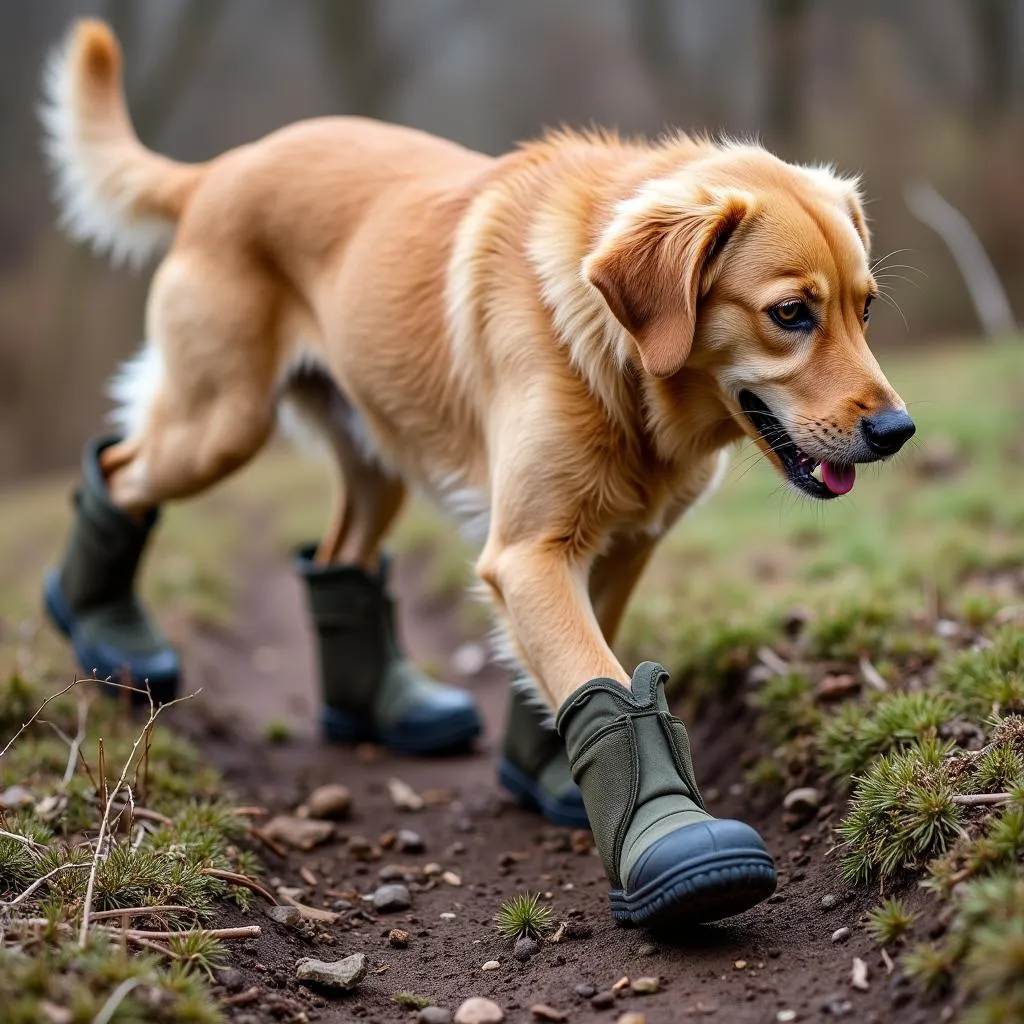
[[775, 963]]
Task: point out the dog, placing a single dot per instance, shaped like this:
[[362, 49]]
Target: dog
[[560, 345]]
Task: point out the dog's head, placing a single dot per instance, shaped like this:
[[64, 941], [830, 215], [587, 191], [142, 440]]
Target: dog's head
[[757, 272]]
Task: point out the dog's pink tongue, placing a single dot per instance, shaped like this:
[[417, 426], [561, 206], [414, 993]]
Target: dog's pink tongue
[[838, 479]]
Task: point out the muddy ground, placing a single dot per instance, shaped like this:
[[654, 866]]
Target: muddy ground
[[777, 962]]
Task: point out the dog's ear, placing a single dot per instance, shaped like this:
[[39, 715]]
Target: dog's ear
[[652, 267]]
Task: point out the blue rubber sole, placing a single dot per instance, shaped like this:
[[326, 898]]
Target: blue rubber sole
[[700, 890], [159, 675], [567, 813], [455, 731]]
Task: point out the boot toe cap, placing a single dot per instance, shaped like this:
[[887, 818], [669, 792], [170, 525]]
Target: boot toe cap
[[445, 719]]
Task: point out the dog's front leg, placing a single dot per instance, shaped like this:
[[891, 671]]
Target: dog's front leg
[[667, 858]]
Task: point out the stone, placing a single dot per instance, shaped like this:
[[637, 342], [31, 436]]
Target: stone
[[391, 898], [403, 796], [477, 1010], [585, 990], [836, 1005], [491, 965], [647, 949], [541, 1011], [360, 848], [231, 978], [332, 801], [288, 916], [398, 937], [434, 1015], [859, 974], [525, 947], [785, 1016], [829, 901], [451, 878], [803, 801], [646, 986], [603, 1000], [299, 833], [343, 974], [840, 934], [447, 916], [407, 841], [632, 1017]]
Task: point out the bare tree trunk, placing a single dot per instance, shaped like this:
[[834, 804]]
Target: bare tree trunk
[[983, 284]]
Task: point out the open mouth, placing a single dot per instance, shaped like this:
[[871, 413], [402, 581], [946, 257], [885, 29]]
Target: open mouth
[[832, 479]]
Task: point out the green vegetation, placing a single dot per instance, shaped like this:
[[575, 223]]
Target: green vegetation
[[890, 921], [410, 1000], [523, 916]]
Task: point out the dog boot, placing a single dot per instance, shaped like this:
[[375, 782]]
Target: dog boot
[[534, 766], [91, 596], [668, 860], [371, 692]]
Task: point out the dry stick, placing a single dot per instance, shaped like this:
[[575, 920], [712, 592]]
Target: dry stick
[[980, 799], [38, 712], [249, 931], [239, 879], [872, 675], [145, 814], [76, 743], [104, 801], [39, 881], [271, 844], [164, 908], [24, 840], [105, 820]]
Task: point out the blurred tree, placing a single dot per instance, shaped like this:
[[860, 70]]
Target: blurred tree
[[993, 22], [786, 73], [360, 72]]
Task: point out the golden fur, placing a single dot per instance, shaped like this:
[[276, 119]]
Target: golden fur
[[551, 341]]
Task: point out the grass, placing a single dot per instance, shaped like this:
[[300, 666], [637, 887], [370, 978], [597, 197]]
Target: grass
[[523, 916]]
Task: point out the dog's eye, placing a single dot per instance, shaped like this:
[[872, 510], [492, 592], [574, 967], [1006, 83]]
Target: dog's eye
[[867, 308], [792, 315]]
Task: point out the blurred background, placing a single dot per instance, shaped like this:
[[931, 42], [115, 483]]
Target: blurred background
[[924, 98]]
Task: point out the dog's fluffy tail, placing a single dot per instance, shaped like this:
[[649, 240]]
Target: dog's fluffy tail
[[111, 191]]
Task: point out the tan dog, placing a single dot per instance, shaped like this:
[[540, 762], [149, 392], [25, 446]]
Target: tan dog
[[558, 344]]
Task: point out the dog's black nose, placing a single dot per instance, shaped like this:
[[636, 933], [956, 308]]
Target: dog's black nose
[[887, 432]]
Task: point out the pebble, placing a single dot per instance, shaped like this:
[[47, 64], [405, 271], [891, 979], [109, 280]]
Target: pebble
[[434, 1015], [231, 978], [390, 898], [646, 986], [448, 916], [829, 901], [804, 800], [584, 990], [783, 1016], [491, 965], [331, 801], [392, 873], [360, 848], [544, 1012], [859, 974], [343, 974], [451, 878], [837, 1005], [403, 796], [525, 947], [407, 841], [603, 1000], [398, 937], [477, 1010], [647, 949], [632, 1017], [840, 934], [300, 833], [288, 916]]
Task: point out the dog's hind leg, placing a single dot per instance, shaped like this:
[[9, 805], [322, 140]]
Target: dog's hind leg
[[371, 692]]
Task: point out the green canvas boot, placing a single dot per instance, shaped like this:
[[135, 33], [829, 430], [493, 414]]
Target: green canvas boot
[[371, 692], [534, 765], [666, 857], [91, 598]]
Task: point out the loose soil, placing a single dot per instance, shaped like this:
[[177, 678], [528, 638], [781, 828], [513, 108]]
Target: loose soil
[[776, 958]]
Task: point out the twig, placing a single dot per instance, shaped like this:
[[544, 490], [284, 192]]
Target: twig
[[154, 712], [76, 743], [38, 712], [239, 879], [103, 795], [166, 908], [980, 799], [872, 675], [275, 847], [145, 814], [39, 881], [249, 931], [250, 812], [114, 1000], [772, 661], [24, 840]]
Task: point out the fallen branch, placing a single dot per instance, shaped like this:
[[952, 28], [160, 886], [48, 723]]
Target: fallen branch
[[38, 712], [24, 840], [271, 844], [126, 912], [237, 878], [39, 881], [249, 931], [981, 799]]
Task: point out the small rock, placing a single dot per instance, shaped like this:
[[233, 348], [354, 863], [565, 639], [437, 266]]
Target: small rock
[[16, 796], [398, 937], [391, 898], [448, 916], [829, 901], [544, 1012], [491, 965], [646, 986], [584, 990], [434, 1015], [947, 629], [450, 878], [300, 833], [603, 1000], [859, 974], [525, 947], [783, 1016], [432, 870], [802, 802], [231, 978], [392, 873], [647, 949], [836, 1005], [332, 801], [403, 796], [290, 917], [478, 1010], [840, 934], [407, 841], [621, 985], [360, 848], [632, 1017], [343, 974]]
